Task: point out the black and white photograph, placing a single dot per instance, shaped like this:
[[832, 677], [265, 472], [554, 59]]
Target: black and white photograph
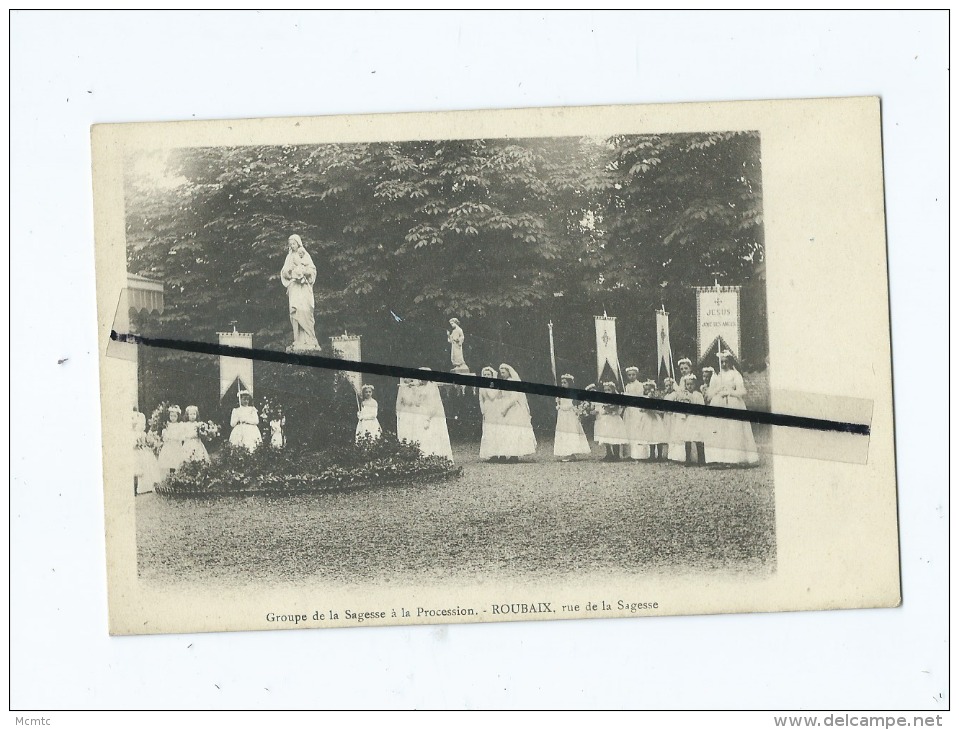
[[334, 354], [628, 264], [544, 357]]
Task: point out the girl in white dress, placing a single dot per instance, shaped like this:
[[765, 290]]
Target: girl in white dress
[[659, 420], [491, 410], [277, 423], [649, 425], [708, 374], [518, 438], [636, 420], [675, 451], [687, 428], [146, 471], [435, 439], [610, 429], [171, 453], [706, 423], [245, 422], [367, 422], [409, 426], [730, 443], [685, 366], [193, 448], [570, 439]]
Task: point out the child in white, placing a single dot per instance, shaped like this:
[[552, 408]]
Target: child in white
[[409, 425], [675, 450], [518, 438], [570, 439], [687, 428], [245, 422], [171, 453], [146, 471], [277, 438], [636, 420], [610, 429], [435, 438], [193, 448], [661, 422], [367, 422], [490, 409], [730, 442]]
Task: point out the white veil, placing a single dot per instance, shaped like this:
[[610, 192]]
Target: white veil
[[432, 401], [513, 375]]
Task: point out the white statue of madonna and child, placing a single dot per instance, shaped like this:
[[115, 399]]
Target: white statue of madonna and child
[[298, 276]]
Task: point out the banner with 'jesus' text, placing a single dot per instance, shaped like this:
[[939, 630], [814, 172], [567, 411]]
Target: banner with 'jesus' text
[[717, 317]]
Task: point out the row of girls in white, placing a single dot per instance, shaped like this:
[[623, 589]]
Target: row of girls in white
[[180, 443], [507, 428], [654, 435], [421, 418]]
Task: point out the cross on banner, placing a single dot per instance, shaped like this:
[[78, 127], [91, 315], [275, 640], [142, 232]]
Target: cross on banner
[[717, 320], [664, 355], [607, 356]]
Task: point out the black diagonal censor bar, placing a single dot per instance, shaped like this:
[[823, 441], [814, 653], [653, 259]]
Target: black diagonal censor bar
[[398, 371]]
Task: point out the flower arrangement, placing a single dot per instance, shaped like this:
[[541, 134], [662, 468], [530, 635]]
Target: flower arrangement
[[160, 417], [151, 440], [208, 431], [377, 463], [270, 410], [585, 410]]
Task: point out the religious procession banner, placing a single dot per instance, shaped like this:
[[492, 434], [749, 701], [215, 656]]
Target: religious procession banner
[[347, 347], [717, 318], [664, 350], [233, 368], [607, 355]]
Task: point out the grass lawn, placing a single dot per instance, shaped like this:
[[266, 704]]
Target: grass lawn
[[535, 519]]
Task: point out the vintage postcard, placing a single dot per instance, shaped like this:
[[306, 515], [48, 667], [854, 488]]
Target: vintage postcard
[[495, 365]]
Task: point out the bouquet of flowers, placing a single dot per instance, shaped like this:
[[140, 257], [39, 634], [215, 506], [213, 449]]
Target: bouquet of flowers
[[208, 430], [270, 410], [150, 440], [159, 418], [271, 414], [586, 409]]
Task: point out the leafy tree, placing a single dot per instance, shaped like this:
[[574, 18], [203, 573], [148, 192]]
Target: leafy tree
[[504, 234]]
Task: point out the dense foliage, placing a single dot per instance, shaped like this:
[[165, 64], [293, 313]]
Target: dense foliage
[[505, 234]]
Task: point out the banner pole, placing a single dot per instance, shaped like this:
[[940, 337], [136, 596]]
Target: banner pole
[[552, 352]]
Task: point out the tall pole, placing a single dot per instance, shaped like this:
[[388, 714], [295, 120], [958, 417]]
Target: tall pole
[[552, 352]]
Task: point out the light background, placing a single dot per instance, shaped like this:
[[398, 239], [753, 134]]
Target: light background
[[70, 70]]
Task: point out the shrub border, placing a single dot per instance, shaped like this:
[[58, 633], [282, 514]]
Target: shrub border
[[455, 472]]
